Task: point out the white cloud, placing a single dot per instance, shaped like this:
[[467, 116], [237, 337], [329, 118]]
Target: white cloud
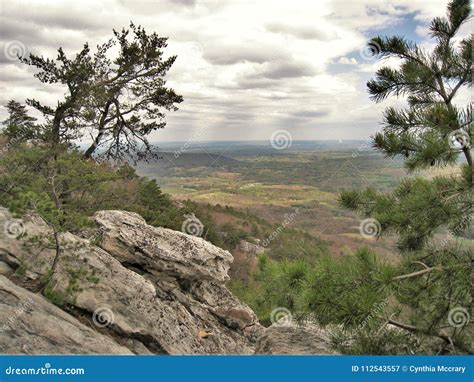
[[244, 67], [347, 61]]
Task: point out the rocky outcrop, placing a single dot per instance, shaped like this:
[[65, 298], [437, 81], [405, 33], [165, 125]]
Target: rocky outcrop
[[128, 288], [29, 324], [161, 251], [150, 289], [294, 339]]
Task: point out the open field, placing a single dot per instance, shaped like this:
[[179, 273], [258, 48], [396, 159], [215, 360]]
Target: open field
[[303, 181], [272, 184]]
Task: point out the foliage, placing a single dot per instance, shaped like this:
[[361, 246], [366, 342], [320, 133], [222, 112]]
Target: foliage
[[417, 208], [19, 126], [118, 100], [66, 190], [434, 277], [233, 235], [422, 134]]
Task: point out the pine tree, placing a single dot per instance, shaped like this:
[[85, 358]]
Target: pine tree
[[432, 131], [432, 218], [19, 126], [117, 96]]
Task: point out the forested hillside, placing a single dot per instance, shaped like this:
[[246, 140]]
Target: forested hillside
[[372, 243]]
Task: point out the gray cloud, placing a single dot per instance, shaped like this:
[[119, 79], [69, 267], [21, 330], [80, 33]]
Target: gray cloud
[[311, 114], [237, 61], [243, 52], [301, 32], [280, 70]]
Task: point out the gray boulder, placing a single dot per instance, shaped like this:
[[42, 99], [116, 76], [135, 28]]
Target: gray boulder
[[154, 290], [32, 325]]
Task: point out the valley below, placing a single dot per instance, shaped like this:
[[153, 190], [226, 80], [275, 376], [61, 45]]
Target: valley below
[[302, 182]]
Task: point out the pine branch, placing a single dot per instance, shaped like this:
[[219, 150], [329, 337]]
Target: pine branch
[[415, 274], [414, 329]]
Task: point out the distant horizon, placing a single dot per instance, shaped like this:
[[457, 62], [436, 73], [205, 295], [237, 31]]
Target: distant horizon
[[260, 141]]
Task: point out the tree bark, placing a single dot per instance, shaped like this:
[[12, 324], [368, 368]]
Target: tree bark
[[467, 153], [102, 123]]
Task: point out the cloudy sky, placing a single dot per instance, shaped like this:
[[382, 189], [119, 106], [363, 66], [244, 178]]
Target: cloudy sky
[[244, 67]]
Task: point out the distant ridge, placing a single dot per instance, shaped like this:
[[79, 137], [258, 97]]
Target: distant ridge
[[188, 160]]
